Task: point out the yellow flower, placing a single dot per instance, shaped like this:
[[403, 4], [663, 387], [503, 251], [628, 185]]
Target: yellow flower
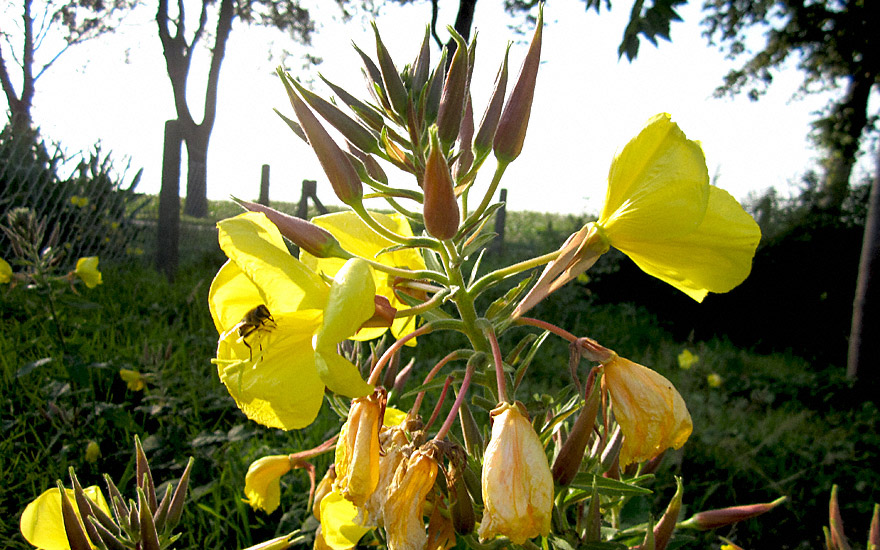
[[79, 201], [686, 359], [340, 529], [93, 452], [516, 480], [403, 511], [5, 271], [651, 413], [42, 524], [357, 450], [262, 485], [357, 238], [280, 323], [714, 380], [661, 211], [323, 489], [133, 379], [87, 270]]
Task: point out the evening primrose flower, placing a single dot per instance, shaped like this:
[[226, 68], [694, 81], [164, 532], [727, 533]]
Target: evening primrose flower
[[133, 379], [87, 270], [5, 271], [413, 481], [686, 359], [714, 380], [42, 523], [340, 529], [280, 323], [651, 413], [356, 237], [516, 480], [262, 485], [93, 451], [357, 450]]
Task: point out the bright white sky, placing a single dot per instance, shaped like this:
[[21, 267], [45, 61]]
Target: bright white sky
[[587, 104]]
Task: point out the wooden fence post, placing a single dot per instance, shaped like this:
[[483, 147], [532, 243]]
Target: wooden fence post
[[168, 235], [264, 186], [500, 220], [309, 191]]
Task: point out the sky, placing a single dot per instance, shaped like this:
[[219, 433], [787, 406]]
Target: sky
[[587, 104]]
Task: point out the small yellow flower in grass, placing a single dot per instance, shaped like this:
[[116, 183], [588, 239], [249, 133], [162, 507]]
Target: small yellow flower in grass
[[42, 524], [87, 270], [714, 380], [5, 271], [516, 480], [357, 238], [413, 481], [133, 379], [262, 485], [81, 202], [651, 413], [280, 323], [358, 449], [93, 452], [340, 529], [686, 359]]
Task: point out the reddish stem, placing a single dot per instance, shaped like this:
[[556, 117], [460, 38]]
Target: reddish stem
[[500, 377], [377, 370], [450, 418], [439, 403], [421, 396]]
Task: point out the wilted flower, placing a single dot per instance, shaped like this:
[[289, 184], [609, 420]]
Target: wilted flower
[[395, 449], [686, 359], [516, 480], [357, 451], [651, 413], [403, 511], [87, 270], [356, 237], [262, 485], [42, 524]]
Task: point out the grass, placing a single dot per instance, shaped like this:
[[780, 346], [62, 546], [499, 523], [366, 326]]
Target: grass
[[775, 426]]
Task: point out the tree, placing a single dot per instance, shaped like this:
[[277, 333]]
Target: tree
[[179, 47], [53, 27]]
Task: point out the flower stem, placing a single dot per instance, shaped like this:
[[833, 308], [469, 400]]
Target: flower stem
[[459, 399], [500, 274], [500, 377], [377, 370], [457, 354]]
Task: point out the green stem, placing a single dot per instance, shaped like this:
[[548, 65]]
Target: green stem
[[407, 273], [487, 198], [499, 275], [388, 234]]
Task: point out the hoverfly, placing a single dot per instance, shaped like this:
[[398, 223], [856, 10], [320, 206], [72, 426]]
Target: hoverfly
[[254, 320]]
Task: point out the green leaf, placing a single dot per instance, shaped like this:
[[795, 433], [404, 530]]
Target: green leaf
[[609, 487]]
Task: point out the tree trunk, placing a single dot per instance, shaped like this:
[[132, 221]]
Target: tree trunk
[[196, 175], [864, 343]]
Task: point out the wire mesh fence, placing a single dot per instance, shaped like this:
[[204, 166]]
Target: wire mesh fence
[[83, 198]]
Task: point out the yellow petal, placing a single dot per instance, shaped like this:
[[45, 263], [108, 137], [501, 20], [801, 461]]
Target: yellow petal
[[257, 248], [350, 303], [716, 257], [339, 525], [657, 186], [87, 270], [275, 382], [41, 522], [651, 413], [340, 375], [404, 521], [262, 485], [232, 294], [5, 271]]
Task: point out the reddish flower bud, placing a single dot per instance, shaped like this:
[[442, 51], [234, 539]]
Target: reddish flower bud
[[874, 531], [664, 528], [313, 239], [339, 171], [384, 315], [486, 133], [713, 519], [569, 459], [454, 95], [394, 87], [511, 132], [441, 208], [421, 67]]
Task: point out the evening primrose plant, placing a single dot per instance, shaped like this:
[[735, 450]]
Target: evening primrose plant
[[453, 452]]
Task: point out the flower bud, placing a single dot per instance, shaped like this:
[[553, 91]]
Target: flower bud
[[713, 519], [262, 485], [93, 451], [421, 67], [516, 481], [511, 132], [384, 315], [435, 89], [486, 133], [373, 168], [313, 239], [664, 528], [465, 135], [454, 94], [339, 171], [874, 530], [441, 207], [357, 450], [571, 455], [413, 481], [394, 87], [461, 507]]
